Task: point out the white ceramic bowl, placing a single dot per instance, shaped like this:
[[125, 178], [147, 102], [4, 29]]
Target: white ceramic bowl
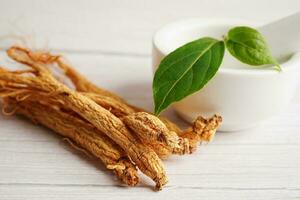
[[244, 96]]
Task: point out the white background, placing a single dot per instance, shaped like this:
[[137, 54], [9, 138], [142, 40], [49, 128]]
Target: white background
[[110, 42]]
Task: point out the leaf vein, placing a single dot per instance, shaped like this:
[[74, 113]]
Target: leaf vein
[[189, 67]]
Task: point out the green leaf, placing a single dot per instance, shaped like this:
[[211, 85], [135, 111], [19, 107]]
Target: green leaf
[[249, 46], [186, 70]]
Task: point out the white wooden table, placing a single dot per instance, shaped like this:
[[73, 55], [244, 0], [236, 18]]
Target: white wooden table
[[109, 41]]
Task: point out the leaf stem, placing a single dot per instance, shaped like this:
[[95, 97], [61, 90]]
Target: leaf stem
[[278, 68]]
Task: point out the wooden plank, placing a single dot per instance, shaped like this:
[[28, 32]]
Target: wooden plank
[[54, 192], [114, 26]]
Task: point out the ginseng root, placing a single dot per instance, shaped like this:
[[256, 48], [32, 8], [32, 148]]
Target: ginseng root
[[121, 135], [42, 82]]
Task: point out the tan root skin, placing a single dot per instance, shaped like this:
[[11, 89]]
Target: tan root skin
[[112, 129]]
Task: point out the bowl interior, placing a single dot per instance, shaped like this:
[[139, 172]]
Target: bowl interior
[[176, 34]]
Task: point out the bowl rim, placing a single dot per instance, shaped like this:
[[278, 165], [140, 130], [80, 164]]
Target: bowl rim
[[288, 65]]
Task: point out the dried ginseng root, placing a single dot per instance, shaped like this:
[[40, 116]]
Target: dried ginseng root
[[82, 133], [44, 83], [120, 108]]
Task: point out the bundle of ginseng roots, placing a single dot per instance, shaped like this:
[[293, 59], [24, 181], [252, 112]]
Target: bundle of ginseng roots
[[125, 138]]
